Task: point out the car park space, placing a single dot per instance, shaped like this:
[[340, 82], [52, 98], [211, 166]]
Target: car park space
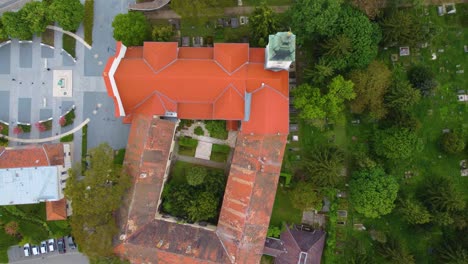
[[47, 248]]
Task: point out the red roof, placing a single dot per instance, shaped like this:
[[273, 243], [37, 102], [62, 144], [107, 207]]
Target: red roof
[[200, 83], [56, 210], [31, 156]]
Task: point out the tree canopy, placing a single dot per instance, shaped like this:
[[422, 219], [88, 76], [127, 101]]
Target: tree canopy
[[397, 143], [162, 33], [453, 142], [263, 21], [132, 28], [15, 26], [67, 13], [196, 175], [103, 184], [203, 207], [370, 86], [414, 212], [325, 166], [422, 78], [401, 95], [312, 17], [373, 192], [317, 105], [36, 15], [303, 197]]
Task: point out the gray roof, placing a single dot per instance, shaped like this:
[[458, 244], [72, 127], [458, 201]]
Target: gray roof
[[29, 185]]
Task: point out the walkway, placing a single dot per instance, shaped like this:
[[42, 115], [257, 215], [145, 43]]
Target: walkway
[[230, 141], [42, 140], [203, 162], [11, 5], [71, 34]]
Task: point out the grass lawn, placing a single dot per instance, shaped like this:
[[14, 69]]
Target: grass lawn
[[187, 146], [220, 153], [269, 2], [283, 211], [48, 37], [69, 45]]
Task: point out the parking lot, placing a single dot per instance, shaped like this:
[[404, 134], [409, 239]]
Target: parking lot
[[72, 256]]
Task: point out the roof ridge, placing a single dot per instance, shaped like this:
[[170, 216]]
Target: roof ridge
[[45, 152], [293, 238], [265, 85]]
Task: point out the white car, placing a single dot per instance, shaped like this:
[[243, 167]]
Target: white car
[[43, 247], [51, 244], [27, 250], [35, 250]]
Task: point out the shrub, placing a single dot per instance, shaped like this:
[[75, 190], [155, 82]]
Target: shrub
[[67, 138], [196, 175], [217, 128], [17, 130], [453, 142], [199, 131], [40, 126], [88, 21]]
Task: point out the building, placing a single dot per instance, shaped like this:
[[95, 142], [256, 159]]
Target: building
[[297, 245], [157, 82], [34, 174]]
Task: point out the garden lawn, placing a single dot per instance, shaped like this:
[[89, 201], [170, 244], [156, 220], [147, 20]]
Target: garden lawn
[[187, 146], [220, 153], [283, 211]]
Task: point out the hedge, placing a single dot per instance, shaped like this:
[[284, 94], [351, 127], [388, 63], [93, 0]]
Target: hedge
[[88, 21]]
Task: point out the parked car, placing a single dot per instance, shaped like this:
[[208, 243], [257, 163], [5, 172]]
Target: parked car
[[27, 250], [71, 243], [43, 247], [35, 250], [51, 244], [61, 245]]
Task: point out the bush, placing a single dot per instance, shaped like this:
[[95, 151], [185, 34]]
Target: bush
[[188, 142], [199, 131], [4, 128], [221, 148], [217, 128], [88, 21], [422, 78], [453, 142], [68, 138], [196, 175]]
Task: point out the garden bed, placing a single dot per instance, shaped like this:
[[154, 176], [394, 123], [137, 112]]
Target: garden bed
[[88, 21], [187, 146], [43, 126], [68, 138], [68, 118], [69, 45], [48, 37], [217, 129], [4, 130]]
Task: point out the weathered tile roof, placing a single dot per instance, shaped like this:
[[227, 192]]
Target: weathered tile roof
[[56, 210]]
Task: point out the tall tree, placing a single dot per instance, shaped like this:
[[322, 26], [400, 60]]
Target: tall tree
[[320, 72], [319, 106], [422, 78], [325, 166], [15, 26], [372, 192], [132, 28], [370, 86], [453, 142], [338, 46], [402, 96], [196, 175], [103, 184], [204, 207], [3, 33], [393, 251], [414, 212], [36, 15], [354, 27], [162, 33], [441, 195], [312, 17], [397, 143], [67, 13], [262, 22], [303, 196]]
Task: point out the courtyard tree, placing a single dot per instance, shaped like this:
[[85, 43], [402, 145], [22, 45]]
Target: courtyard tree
[[422, 78], [204, 207], [162, 33], [319, 106], [370, 86], [263, 21], [196, 175], [453, 142], [132, 28], [325, 165], [304, 196], [314, 17], [414, 212], [354, 40], [36, 15], [397, 143], [67, 13], [372, 192], [103, 184], [15, 26]]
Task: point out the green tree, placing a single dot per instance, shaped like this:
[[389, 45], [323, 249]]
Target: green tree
[[103, 184], [162, 33], [337, 46], [36, 15], [414, 212], [325, 166], [196, 175], [303, 196], [318, 106], [132, 28], [321, 71], [262, 22], [452, 253], [370, 7], [67, 13], [397, 143], [204, 207], [11, 228], [274, 232], [422, 78], [176, 198], [441, 195], [370, 86], [357, 37], [15, 26], [312, 17], [372, 192], [402, 96], [453, 142], [393, 251], [3, 33]]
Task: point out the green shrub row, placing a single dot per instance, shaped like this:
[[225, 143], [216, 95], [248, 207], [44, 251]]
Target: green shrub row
[[68, 138], [88, 21]]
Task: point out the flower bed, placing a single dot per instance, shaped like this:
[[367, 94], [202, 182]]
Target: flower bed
[[22, 128], [68, 118], [43, 126], [4, 128]]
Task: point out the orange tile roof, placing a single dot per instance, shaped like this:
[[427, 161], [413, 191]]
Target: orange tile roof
[[196, 80], [56, 210], [31, 156]]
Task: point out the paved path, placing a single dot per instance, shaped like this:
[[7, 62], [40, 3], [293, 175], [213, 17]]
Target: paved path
[[231, 140], [81, 40], [203, 162], [11, 5]]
